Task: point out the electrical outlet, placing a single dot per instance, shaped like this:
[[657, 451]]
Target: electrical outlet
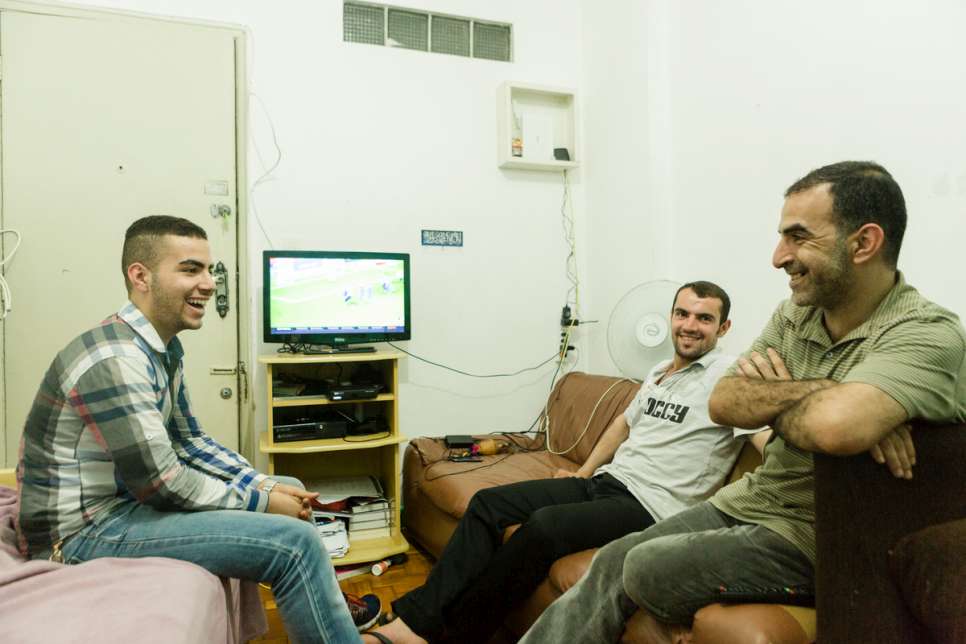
[[564, 351]]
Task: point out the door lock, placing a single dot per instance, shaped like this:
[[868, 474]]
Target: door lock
[[226, 392], [220, 210], [220, 274]]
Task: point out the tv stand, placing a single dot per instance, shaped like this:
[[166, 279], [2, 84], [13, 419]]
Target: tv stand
[[315, 458], [326, 350]]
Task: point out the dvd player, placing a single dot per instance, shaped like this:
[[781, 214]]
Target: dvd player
[[353, 392]]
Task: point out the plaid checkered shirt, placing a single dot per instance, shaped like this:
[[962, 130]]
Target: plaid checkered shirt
[[112, 422]]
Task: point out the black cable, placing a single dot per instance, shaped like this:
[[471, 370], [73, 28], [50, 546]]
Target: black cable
[[367, 437], [475, 375], [478, 467]]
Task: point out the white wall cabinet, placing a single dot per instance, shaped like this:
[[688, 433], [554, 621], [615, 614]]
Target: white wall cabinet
[[541, 119]]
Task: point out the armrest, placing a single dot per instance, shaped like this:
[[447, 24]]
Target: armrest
[[861, 513]]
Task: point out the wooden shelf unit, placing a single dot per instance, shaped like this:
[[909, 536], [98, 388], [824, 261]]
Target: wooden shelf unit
[[351, 456]]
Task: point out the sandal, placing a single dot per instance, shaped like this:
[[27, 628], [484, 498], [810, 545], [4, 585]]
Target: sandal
[[379, 636], [386, 617]]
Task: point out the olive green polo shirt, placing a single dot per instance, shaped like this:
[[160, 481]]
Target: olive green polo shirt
[[911, 349]]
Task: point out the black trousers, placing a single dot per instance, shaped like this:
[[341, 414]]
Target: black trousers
[[478, 578]]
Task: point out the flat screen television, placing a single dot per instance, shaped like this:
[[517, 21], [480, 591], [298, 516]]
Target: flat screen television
[[335, 298]]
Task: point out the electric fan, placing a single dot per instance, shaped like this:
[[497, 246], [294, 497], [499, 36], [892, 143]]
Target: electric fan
[[638, 332]]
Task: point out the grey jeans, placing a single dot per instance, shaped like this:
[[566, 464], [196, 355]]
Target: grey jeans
[[697, 557]]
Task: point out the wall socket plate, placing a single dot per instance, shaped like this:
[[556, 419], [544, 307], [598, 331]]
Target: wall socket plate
[[442, 237]]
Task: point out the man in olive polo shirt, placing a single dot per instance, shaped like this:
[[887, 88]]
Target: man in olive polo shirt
[[840, 368]]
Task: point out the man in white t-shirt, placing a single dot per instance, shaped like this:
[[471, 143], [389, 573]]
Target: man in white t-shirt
[[662, 455]]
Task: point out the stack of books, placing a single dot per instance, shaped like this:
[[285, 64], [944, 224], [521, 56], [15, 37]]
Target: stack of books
[[370, 519], [357, 504]]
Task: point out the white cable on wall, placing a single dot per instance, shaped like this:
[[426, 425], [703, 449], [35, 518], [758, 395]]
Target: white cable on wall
[[4, 287], [583, 432], [570, 236]]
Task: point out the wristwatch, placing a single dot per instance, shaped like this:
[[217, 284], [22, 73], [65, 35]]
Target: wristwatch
[[269, 484]]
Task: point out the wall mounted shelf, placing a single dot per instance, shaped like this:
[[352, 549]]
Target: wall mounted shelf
[[542, 119]]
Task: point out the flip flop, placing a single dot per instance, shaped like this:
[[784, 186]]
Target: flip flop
[[379, 636], [386, 617]]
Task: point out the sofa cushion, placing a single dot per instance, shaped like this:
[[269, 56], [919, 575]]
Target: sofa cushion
[[450, 486], [568, 570], [9, 554], [929, 567], [150, 599], [581, 407], [740, 623]]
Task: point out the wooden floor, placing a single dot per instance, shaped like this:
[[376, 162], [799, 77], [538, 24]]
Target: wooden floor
[[393, 583]]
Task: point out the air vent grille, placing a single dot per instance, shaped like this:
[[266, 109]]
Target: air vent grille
[[377, 24], [451, 36], [409, 30], [491, 41], [363, 23]]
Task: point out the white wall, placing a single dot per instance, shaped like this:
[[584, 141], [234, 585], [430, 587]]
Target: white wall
[[378, 143], [628, 159], [696, 116], [760, 93]]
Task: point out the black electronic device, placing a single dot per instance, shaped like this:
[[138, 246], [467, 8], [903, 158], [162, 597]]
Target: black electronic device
[[328, 351], [561, 154], [310, 430], [458, 440], [369, 427], [353, 391]]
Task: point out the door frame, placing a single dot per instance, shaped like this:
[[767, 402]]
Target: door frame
[[239, 35]]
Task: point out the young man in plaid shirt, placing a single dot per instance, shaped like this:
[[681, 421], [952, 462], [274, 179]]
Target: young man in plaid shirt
[[114, 464]]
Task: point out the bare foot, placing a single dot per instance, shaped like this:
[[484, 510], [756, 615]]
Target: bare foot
[[399, 633]]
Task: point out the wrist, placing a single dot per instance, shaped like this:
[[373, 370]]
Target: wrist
[[267, 485]]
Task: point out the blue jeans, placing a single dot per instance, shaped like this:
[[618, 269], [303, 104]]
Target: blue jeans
[[279, 550], [697, 557]]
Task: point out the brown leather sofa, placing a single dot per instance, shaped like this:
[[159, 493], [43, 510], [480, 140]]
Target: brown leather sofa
[[892, 553], [436, 493]]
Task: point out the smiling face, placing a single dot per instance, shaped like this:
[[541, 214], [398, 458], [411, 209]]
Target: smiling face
[[695, 326], [173, 294], [812, 251]]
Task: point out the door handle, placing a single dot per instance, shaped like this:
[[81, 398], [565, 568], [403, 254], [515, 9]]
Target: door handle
[[220, 274]]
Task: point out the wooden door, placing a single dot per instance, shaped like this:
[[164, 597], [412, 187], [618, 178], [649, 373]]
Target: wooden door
[[106, 119]]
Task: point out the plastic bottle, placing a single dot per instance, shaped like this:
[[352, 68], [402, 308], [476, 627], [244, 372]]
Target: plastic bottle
[[380, 567], [489, 446], [516, 139]]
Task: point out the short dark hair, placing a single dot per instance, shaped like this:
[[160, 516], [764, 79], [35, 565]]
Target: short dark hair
[[141, 239], [862, 192], [707, 289]]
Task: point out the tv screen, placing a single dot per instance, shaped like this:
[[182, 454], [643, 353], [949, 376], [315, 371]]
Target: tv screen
[[335, 298]]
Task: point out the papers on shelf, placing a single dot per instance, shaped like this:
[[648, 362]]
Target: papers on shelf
[[363, 507], [335, 489], [369, 533], [356, 503], [334, 537]]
